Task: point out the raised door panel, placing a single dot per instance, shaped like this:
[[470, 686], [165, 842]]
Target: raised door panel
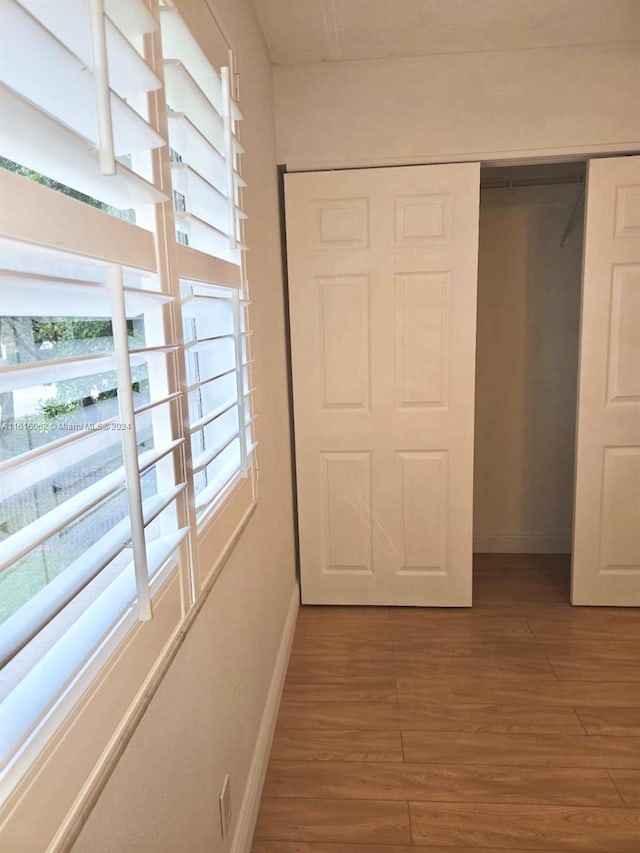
[[344, 340], [422, 339], [624, 340], [422, 479], [346, 502], [620, 520]]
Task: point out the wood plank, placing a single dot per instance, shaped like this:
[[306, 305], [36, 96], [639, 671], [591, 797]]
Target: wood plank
[[610, 721], [286, 819], [522, 750], [313, 745], [520, 690], [342, 630], [326, 644], [529, 591], [595, 669], [412, 716], [575, 616], [321, 614], [492, 747], [492, 593], [303, 668], [332, 847], [422, 625], [624, 648], [601, 628], [587, 830], [355, 689], [415, 663], [407, 660], [368, 688], [628, 783], [493, 648], [441, 783]]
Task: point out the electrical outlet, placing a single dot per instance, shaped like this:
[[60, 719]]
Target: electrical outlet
[[225, 806]]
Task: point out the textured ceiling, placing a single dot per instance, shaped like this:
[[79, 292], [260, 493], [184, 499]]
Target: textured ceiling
[[303, 31]]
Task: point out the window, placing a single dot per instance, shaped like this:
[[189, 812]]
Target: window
[[204, 147], [202, 124], [218, 389], [126, 423]]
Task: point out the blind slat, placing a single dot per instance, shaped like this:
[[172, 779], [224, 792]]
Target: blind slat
[[203, 199], [213, 415], [205, 458], [199, 307], [41, 372], [129, 74], [180, 45], [218, 486], [24, 705], [25, 623], [206, 238], [19, 544], [191, 145], [170, 398], [185, 96], [197, 385], [58, 369], [151, 457], [60, 84], [161, 349], [26, 295], [202, 344], [68, 157], [28, 469], [132, 17]]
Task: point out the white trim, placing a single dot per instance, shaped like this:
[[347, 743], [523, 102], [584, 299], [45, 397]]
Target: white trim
[[248, 814], [515, 157], [35, 214], [521, 543], [200, 268]]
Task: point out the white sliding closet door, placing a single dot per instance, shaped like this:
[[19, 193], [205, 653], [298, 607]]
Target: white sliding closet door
[[606, 549], [382, 277]]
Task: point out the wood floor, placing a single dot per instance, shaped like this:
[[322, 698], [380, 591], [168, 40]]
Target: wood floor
[[511, 726]]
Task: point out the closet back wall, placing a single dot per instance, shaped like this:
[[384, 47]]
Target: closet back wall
[[527, 354]]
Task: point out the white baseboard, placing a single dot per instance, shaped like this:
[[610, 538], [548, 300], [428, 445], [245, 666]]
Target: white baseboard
[[521, 543], [243, 835]]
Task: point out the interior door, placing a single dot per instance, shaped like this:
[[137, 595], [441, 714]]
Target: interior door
[[606, 547], [382, 279]]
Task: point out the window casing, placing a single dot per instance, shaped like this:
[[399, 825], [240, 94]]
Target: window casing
[[127, 463]]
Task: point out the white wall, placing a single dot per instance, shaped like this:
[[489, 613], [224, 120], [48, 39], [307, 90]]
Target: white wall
[[527, 352], [203, 721], [469, 106]]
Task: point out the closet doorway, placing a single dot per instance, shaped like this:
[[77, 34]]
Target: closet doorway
[[529, 290], [382, 292]]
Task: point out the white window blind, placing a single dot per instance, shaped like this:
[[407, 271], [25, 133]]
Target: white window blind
[[89, 483], [57, 97], [204, 146], [218, 361], [125, 356]]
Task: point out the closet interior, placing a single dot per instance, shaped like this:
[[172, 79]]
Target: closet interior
[[529, 290]]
